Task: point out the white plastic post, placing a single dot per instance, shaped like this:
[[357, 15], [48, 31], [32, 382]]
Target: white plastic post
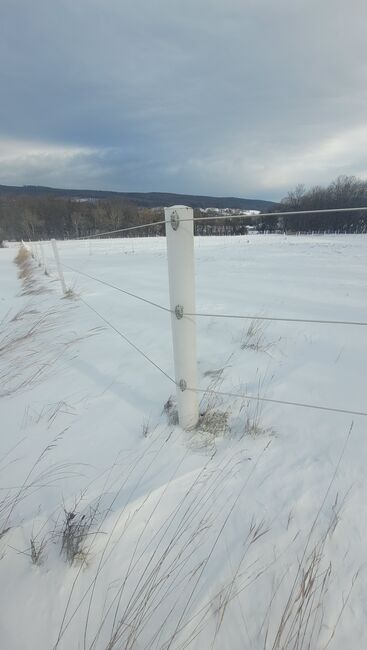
[[181, 276], [43, 259], [58, 265]]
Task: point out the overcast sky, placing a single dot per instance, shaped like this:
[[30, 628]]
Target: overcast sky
[[221, 97]]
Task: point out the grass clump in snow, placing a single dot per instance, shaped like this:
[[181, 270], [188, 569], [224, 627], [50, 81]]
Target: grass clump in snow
[[42, 474], [254, 337], [22, 256], [70, 293], [145, 428], [23, 364], [253, 424], [170, 410], [37, 551], [27, 267], [214, 415], [74, 532], [249, 417], [214, 422]]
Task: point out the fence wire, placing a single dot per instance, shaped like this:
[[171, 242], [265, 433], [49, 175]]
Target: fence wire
[[113, 286], [225, 216], [278, 318], [113, 232], [213, 315], [209, 391], [257, 398], [133, 345]]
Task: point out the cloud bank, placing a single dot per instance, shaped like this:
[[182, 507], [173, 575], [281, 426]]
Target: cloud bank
[[225, 97]]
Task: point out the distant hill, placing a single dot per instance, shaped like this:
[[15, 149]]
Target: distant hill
[[143, 199]]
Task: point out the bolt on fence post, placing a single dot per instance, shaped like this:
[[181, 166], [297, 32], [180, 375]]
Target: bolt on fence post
[[58, 264], [181, 277]]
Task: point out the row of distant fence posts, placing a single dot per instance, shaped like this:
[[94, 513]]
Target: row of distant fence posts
[[179, 224]]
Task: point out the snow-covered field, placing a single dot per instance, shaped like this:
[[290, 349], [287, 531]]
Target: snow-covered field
[[120, 530]]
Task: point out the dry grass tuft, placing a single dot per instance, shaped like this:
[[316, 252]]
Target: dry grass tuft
[[253, 423], [145, 428], [249, 413], [254, 337], [70, 293], [42, 474], [30, 344], [27, 272], [213, 422], [23, 363], [170, 410], [74, 532], [22, 256], [27, 310], [37, 551]]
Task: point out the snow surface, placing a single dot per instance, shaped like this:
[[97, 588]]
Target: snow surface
[[202, 540]]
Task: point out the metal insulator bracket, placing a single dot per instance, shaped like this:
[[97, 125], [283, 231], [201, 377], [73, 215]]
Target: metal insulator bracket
[[175, 221], [179, 311]]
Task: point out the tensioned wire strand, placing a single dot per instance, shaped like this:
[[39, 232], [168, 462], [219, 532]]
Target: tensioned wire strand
[[275, 214], [210, 391], [276, 318], [112, 232], [209, 315], [224, 216], [276, 401], [113, 286], [123, 336]]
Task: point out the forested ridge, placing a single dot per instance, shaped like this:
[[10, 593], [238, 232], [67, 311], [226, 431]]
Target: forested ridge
[[43, 216]]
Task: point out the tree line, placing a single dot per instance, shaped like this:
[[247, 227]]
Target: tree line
[[43, 217], [344, 192]]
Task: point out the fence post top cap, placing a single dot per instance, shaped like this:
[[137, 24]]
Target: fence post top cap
[[178, 207]]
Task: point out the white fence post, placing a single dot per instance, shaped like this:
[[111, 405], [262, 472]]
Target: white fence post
[[181, 276], [59, 269], [43, 259]]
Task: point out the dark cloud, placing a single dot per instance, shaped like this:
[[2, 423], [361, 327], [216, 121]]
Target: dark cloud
[[243, 97]]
